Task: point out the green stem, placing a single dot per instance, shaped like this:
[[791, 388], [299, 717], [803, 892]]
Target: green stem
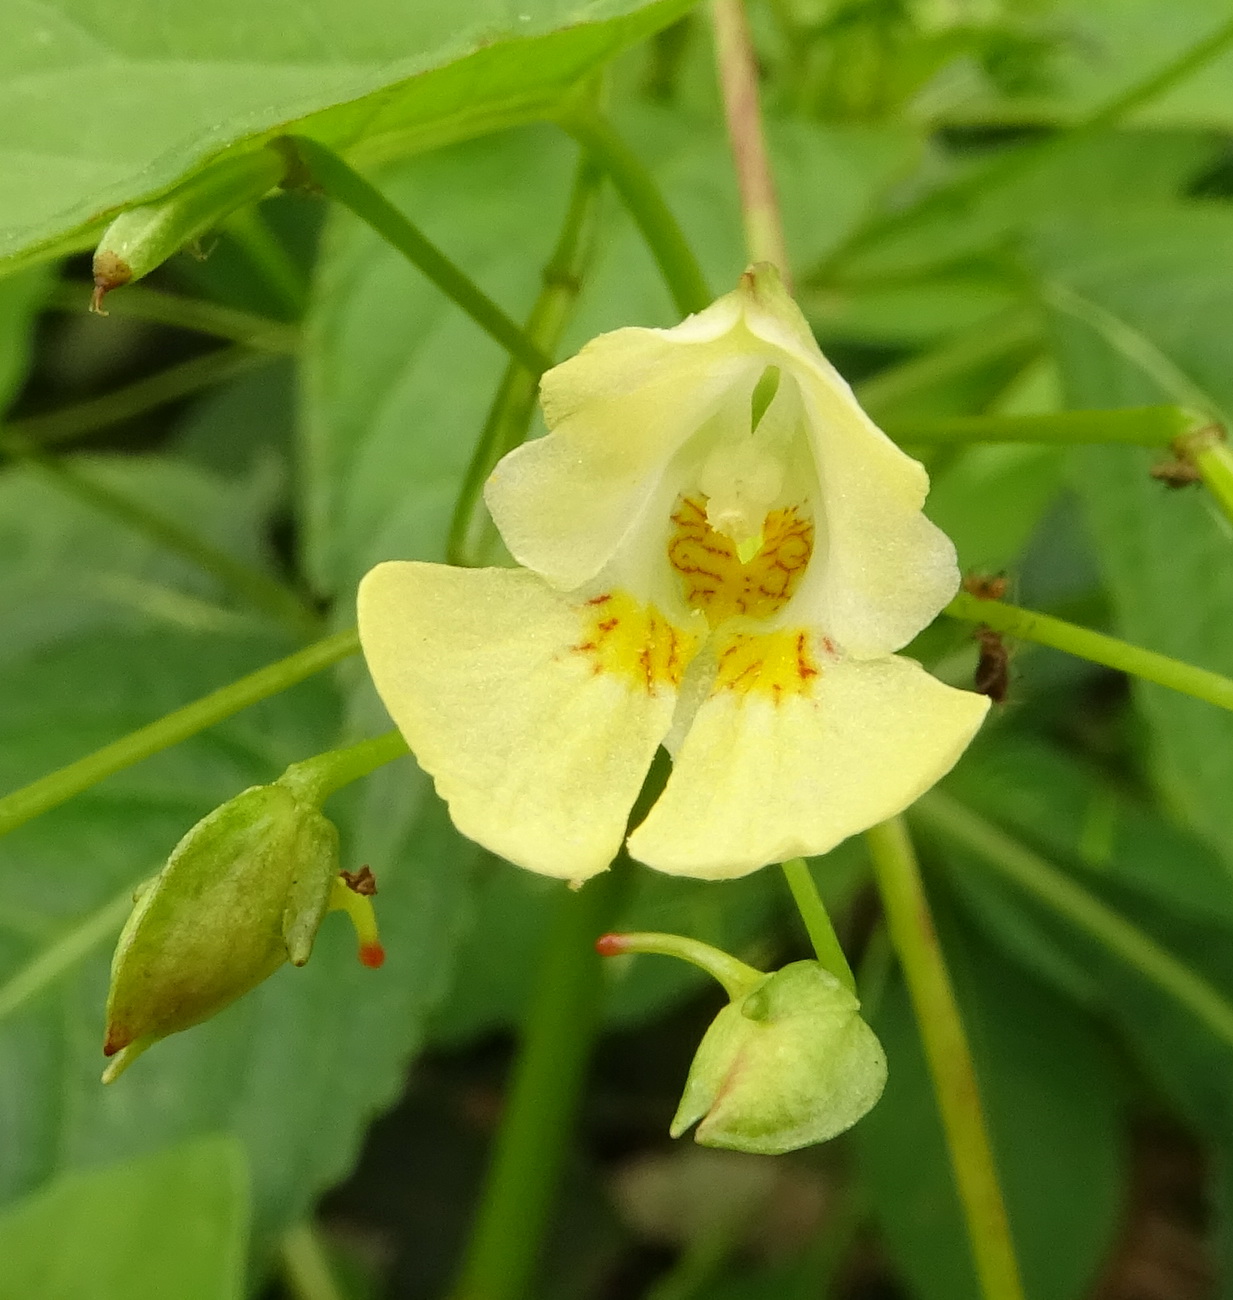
[[531, 1145], [306, 1266], [1172, 74], [736, 977], [701, 1261], [142, 302], [259, 589], [1057, 891], [268, 255], [1094, 646], [63, 953], [345, 185], [646, 205], [56, 787], [137, 398], [1215, 463], [920, 955], [319, 777], [1142, 426], [514, 404], [817, 921], [737, 67]]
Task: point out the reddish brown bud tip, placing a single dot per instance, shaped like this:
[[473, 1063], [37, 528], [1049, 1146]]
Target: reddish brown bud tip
[[372, 955], [115, 1041], [610, 945]]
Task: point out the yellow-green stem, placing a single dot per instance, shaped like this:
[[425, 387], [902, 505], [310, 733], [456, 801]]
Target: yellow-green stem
[[57, 787], [915, 940], [817, 921], [1044, 629]]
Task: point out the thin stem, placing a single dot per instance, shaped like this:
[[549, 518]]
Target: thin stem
[[63, 953], [345, 185], [142, 302], [530, 1148], [1155, 85], [736, 977], [266, 252], [912, 933], [1215, 463], [1142, 426], [738, 83], [259, 589], [56, 787], [320, 776], [817, 921], [1094, 646], [514, 404], [306, 1266], [646, 205], [137, 398], [1057, 891]]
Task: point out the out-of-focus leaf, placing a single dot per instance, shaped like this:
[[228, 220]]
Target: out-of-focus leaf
[[106, 105], [70, 566], [20, 295], [1053, 1104], [1161, 278], [1111, 170], [1103, 48], [170, 1224]]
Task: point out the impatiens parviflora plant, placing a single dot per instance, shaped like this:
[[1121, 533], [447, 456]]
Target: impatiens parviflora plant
[[787, 1063], [244, 891], [720, 553]]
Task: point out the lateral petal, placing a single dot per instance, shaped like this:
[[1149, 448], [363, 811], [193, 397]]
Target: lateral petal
[[764, 775], [536, 715]]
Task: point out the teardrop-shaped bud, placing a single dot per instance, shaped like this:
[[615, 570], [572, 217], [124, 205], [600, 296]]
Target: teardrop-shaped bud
[[787, 1063], [144, 237], [244, 891]]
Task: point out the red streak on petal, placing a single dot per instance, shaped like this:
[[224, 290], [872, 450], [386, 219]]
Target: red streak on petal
[[372, 955]]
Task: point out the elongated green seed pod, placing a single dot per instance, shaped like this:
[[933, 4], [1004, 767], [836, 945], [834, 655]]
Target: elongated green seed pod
[[144, 237]]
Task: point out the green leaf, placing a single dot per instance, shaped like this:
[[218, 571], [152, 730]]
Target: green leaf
[[1157, 279], [1053, 1104], [71, 567], [20, 298], [171, 1224], [106, 105]]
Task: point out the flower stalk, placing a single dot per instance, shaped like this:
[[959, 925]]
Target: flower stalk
[[949, 1058]]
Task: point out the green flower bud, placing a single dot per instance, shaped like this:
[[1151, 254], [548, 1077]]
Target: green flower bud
[[144, 237], [789, 1062], [245, 890]]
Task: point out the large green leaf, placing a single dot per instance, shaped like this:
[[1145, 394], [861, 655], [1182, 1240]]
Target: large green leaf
[[294, 1070], [106, 103], [171, 1224], [20, 297], [1159, 282], [1053, 1105]]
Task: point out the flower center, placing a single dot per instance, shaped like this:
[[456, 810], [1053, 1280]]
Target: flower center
[[722, 584]]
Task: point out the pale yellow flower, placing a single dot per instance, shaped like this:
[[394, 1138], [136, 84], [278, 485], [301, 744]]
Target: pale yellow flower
[[731, 587]]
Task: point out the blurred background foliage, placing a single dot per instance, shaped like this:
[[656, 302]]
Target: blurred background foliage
[[316, 415]]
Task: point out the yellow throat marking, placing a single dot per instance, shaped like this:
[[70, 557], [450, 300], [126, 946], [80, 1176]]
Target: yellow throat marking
[[776, 664], [634, 641], [713, 575]]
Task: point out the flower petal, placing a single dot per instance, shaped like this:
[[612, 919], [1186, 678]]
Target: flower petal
[[537, 716], [766, 775], [618, 412], [886, 570]]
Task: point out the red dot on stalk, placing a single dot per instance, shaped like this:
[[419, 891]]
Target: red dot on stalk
[[372, 955], [610, 945]]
